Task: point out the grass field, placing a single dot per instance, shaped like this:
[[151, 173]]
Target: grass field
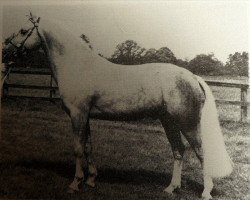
[[134, 160]]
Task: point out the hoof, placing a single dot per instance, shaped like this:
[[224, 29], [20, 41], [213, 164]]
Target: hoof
[[171, 188], [72, 191], [167, 190], [73, 188], [206, 196], [90, 182]]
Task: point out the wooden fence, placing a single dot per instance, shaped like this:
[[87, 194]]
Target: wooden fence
[[46, 72], [243, 103]]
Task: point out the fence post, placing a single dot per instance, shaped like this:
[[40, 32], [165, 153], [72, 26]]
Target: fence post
[[244, 103]]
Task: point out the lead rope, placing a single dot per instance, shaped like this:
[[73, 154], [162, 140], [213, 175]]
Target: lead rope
[[6, 75], [43, 46]]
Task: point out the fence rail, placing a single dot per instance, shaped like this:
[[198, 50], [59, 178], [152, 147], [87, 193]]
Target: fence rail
[[243, 97], [243, 103]]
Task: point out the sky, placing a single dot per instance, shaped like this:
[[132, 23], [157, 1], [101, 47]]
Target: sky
[[188, 28]]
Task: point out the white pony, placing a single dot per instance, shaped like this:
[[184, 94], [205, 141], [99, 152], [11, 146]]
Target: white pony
[[91, 86]]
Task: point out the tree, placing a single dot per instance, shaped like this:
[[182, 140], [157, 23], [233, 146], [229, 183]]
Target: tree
[[205, 65], [237, 64], [182, 63], [150, 56], [128, 53], [162, 55], [165, 55]]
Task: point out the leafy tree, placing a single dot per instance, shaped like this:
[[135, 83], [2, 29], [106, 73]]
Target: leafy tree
[[205, 65], [150, 56], [165, 55], [182, 63], [237, 64], [128, 53]]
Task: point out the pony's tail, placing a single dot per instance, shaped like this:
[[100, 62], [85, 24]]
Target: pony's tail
[[217, 162]]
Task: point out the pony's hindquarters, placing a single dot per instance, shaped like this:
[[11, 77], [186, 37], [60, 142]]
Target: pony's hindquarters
[[202, 130], [217, 162]]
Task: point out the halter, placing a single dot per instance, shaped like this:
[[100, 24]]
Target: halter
[[20, 48]]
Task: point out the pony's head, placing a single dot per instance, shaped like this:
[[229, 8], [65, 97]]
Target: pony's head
[[25, 40]]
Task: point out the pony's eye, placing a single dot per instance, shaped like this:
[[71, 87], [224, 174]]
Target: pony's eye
[[23, 31]]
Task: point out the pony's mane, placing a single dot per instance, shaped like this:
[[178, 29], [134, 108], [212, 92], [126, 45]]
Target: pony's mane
[[86, 40], [63, 33]]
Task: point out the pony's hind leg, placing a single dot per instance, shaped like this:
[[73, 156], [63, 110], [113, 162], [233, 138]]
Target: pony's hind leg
[[92, 171], [208, 186], [174, 136], [194, 139]]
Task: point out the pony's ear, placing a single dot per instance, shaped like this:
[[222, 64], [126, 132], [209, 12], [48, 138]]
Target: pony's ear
[[31, 15], [32, 18]]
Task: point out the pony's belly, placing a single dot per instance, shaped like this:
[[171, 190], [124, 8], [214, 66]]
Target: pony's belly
[[123, 115], [127, 103]]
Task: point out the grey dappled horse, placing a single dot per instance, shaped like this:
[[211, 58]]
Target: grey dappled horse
[[91, 86]]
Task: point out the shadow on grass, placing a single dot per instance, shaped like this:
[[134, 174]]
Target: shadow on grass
[[136, 177], [105, 175], [133, 177], [61, 168]]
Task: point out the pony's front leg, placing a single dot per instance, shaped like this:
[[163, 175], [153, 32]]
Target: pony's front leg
[[79, 121], [92, 171]]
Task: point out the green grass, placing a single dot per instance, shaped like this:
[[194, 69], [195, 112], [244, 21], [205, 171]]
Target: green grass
[[134, 160]]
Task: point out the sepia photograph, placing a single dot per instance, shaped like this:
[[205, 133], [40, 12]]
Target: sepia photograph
[[125, 100]]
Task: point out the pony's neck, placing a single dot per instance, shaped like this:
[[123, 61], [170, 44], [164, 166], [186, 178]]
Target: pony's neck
[[65, 52]]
